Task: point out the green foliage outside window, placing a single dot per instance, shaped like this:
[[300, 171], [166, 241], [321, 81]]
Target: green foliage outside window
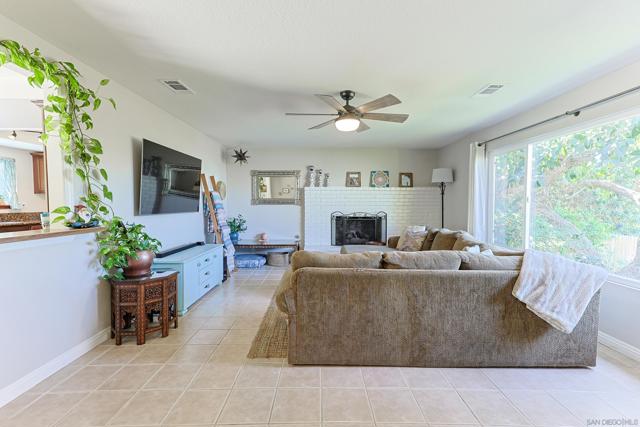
[[585, 196]]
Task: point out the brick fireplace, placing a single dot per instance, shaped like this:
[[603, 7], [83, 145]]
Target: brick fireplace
[[403, 206]]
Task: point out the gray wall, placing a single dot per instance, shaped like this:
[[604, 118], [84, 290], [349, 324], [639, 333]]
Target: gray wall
[[456, 156]]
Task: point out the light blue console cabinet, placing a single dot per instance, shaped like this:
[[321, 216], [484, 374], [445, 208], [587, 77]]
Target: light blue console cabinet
[[199, 270]]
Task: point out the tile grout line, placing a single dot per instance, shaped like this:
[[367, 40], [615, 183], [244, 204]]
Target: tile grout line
[[275, 394], [141, 388], [366, 393], [522, 414], [195, 375], [89, 393]]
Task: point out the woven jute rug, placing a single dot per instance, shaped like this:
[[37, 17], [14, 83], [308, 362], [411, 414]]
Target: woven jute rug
[[272, 339]]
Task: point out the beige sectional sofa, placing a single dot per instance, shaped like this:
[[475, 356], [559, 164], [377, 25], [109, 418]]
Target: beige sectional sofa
[[433, 308]]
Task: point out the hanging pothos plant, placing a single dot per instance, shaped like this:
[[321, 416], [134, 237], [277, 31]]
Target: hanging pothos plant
[[68, 112]]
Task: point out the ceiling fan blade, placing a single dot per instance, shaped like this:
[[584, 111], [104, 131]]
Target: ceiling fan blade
[[376, 104], [310, 114], [321, 125], [396, 118], [363, 126], [332, 102]]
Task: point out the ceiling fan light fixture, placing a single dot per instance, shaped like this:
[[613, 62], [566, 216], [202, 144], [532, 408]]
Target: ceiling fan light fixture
[[347, 123]]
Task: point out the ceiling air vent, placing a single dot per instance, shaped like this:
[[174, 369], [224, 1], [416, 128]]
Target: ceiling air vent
[[176, 86], [488, 90]]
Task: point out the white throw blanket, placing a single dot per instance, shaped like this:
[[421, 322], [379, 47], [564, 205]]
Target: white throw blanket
[[557, 289]]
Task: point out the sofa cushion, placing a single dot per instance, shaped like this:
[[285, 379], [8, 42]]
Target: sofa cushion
[[423, 260], [302, 259], [428, 241], [472, 261], [465, 240], [284, 286], [444, 240], [411, 241]]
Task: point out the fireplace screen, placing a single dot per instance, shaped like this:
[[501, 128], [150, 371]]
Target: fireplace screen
[[358, 228]]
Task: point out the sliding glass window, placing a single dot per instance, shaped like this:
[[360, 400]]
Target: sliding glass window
[[577, 195]]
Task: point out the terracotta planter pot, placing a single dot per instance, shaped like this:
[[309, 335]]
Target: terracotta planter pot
[[139, 267]]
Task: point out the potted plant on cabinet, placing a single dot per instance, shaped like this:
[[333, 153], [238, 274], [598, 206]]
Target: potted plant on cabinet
[[236, 226], [126, 250]]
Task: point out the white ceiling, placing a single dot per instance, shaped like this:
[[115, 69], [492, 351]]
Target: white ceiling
[[250, 61]]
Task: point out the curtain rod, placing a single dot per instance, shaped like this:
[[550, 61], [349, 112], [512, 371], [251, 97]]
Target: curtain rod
[[575, 112]]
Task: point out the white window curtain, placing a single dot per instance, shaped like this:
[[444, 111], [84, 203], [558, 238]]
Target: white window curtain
[[478, 191], [8, 182]]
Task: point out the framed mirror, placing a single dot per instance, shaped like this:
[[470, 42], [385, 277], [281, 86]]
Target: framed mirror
[[275, 187]]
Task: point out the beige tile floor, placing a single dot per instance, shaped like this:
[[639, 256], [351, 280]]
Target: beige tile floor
[[199, 376]]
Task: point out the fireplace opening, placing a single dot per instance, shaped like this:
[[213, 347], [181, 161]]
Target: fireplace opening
[[358, 228]]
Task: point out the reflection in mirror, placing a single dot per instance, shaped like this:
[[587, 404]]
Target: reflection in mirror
[[276, 187], [23, 170]]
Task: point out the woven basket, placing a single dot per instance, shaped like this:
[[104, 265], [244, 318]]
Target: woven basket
[[278, 259]]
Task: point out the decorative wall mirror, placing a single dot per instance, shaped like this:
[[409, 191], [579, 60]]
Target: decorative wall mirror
[[275, 187]]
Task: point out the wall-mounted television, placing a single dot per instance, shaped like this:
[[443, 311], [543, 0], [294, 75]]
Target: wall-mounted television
[[169, 180]]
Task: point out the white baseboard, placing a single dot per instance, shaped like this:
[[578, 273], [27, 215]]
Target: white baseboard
[[22, 385], [619, 346]]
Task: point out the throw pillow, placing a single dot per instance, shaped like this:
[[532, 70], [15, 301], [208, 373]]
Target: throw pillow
[[465, 239], [480, 261], [444, 240], [428, 241], [411, 241], [423, 260], [392, 242], [302, 259], [475, 249], [500, 251]]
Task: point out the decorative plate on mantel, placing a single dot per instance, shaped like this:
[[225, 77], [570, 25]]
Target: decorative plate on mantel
[[379, 179]]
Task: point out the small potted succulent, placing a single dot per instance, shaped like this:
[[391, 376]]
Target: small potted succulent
[[236, 225], [126, 250], [80, 217]]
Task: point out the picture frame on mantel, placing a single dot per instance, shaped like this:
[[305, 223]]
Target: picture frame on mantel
[[379, 179], [405, 179], [353, 179]]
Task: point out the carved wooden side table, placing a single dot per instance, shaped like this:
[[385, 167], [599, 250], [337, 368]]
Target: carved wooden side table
[[144, 305]]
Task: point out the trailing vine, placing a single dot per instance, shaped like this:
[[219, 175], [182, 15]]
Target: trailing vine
[[68, 113]]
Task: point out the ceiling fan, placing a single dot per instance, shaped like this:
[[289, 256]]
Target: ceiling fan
[[349, 118]]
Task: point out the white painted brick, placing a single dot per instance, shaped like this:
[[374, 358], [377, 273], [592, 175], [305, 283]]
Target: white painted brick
[[404, 206]]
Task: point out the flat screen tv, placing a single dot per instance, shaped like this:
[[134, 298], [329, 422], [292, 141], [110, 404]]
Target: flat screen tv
[[169, 181]]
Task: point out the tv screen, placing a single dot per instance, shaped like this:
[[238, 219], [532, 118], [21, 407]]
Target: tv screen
[[169, 181]]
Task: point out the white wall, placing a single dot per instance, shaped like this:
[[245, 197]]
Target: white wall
[[286, 221], [619, 303], [69, 269], [57, 303], [29, 201]]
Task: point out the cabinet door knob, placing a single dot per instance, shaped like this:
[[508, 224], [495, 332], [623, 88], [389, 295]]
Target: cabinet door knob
[[207, 286], [207, 260], [206, 274]]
